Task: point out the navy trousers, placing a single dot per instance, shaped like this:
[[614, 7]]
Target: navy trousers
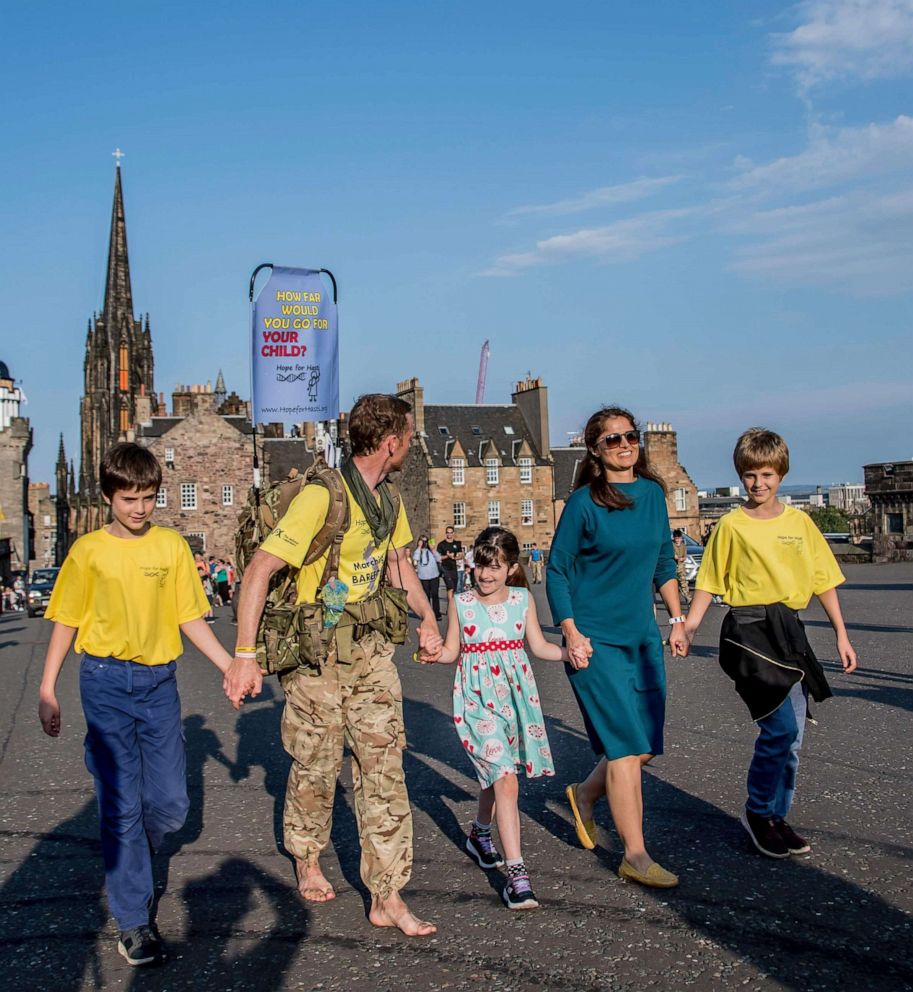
[[135, 752]]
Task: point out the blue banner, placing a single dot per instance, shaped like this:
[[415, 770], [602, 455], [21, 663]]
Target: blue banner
[[294, 349]]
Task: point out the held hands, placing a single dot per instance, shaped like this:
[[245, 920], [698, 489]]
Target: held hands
[[680, 641], [49, 715], [430, 642], [579, 650], [242, 678]]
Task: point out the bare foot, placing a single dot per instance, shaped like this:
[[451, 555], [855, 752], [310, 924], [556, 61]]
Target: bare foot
[[312, 884], [393, 912]]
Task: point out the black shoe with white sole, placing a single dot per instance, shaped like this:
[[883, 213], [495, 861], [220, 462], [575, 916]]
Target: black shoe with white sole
[[764, 834], [794, 843], [518, 896], [141, 946], [481, 848]]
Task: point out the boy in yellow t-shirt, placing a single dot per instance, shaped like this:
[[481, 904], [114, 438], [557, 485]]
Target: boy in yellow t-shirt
[[126, 592], [766, 560]]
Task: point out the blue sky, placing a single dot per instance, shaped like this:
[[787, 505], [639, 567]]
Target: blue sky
[[705, 218]]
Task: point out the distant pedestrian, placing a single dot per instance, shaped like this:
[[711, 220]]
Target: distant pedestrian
[[428, 570], [766, 560], [448, 550], [680, 550], [127, 592], [469, 563], [535, 563], [496, 708]]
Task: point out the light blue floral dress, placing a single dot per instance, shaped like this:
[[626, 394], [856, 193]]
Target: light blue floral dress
[[496, 708]]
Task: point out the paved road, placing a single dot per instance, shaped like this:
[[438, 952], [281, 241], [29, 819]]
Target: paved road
[[839, 919]]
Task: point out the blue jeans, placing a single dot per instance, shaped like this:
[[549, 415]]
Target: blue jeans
[[461, 580], [135, 752], [773, 769]]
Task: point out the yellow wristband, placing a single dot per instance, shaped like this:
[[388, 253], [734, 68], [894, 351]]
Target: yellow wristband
[[245, 650]]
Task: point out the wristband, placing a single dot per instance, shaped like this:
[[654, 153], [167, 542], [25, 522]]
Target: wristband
[[676, 619], [245, 650], [245, 654]]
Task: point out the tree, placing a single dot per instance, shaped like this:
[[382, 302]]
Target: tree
[[830, 520]]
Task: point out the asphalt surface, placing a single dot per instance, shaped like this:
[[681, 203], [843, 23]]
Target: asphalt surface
[[837, 919]]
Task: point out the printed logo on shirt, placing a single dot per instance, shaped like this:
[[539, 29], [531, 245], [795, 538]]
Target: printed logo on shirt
[[159, 572], [792, 542], [367, 571], [284, 536]]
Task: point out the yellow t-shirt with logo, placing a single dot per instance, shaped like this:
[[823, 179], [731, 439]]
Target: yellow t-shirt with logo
[[128, 596], [360, 562], [751, 562]]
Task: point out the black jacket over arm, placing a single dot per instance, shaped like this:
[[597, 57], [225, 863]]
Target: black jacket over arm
[[765, 651]]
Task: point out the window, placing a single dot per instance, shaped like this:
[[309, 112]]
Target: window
[[492, 474], [197, 541], [459, 515], [508, 429], [526, 547], [526, 469], [458, 471], [526, 512], [443, 429], [188, 495], [494, 511], [681, 500], [47, 520], [169, 456], [477, 430], [161, 497], [228, 495], [894, 523]]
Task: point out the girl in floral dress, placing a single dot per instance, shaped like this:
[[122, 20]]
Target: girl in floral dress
[[496, 709]]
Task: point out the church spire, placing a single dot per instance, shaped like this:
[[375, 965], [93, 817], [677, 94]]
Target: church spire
[[118, 293]]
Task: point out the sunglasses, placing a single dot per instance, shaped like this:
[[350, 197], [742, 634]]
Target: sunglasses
[[614, 440]]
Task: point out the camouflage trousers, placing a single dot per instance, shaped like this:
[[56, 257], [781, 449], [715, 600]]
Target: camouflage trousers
[[684, 590], [359, 704]]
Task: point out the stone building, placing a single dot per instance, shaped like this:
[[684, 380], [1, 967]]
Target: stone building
[[889, 487], [206, 457], [15, 445], [849, 497], [472, 465], [43, 512]]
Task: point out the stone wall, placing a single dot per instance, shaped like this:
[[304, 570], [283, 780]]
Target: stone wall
[[15, 445], [210, 454], [661, 445], [44, 518], [889, 486]]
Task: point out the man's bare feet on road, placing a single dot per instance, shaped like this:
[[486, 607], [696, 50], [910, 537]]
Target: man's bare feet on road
[[312, 884], [393, 912]]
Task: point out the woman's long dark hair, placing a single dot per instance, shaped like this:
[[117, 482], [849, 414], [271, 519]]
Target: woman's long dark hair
[[495, 545], [591, 472]]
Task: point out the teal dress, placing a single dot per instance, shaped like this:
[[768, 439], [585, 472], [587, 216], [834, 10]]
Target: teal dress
[[496, 708], [602, 570]]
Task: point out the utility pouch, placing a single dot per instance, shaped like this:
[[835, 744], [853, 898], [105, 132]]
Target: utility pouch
[[396, 625]]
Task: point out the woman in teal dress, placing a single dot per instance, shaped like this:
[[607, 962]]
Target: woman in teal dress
[[611, 549]]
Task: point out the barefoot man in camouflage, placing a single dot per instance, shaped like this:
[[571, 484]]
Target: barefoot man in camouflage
[[353, 694]]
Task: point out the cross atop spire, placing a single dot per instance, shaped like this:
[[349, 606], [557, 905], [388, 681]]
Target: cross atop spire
[[118, 293], [118, 155]]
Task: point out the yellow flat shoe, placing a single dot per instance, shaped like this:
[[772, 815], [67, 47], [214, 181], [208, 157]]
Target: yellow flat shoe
[[656, 877], [586, 829]]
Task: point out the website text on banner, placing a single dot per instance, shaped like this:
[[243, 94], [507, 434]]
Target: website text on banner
[[294, 349]]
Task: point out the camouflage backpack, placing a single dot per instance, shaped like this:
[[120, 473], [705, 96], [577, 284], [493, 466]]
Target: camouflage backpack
[[287, 631], [291, 634]]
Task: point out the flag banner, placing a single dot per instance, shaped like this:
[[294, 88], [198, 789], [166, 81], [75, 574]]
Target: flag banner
[[294, 349]]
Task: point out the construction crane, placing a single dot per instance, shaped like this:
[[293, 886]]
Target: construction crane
[[483, 373]]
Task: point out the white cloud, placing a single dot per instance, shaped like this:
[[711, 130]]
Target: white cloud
[[836, 156], [846, 39], [620, 241], [861, 242], [605, 196]]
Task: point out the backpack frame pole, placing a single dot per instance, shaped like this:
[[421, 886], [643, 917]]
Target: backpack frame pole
[[253, 433]]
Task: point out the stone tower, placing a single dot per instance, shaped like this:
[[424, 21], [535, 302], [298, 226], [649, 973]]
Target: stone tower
[[62, 501], [118, 364]]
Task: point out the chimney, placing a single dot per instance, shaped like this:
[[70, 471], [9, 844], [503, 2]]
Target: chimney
[[412, 391], [531, 398]]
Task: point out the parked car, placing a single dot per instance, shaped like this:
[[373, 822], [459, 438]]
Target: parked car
[[693, 559], [41, 584]]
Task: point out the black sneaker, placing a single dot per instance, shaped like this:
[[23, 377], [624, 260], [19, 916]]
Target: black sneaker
[[141, 946], [794, 843], [764, 834], [517, 897], [483, 850]]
